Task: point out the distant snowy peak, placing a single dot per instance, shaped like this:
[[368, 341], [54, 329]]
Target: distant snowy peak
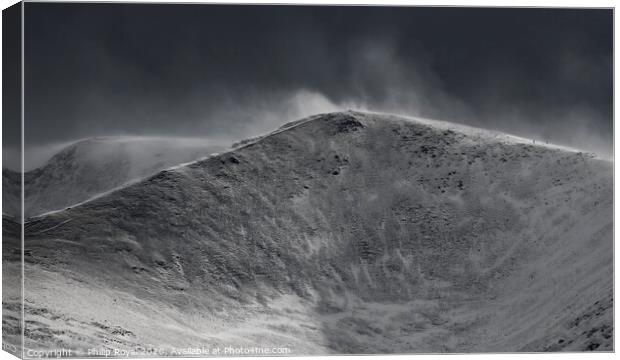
[[96, 165], [139, 152]]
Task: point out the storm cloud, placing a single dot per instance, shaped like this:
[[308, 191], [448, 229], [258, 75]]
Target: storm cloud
[[232, 71]]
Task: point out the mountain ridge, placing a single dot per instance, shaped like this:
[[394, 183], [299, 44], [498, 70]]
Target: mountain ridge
[[491, 135]]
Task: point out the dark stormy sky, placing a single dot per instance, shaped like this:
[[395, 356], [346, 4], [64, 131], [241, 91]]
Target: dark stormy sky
[[235, 71]]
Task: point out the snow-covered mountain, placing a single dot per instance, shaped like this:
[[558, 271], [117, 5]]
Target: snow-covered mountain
[[341, 233], [89, 167]]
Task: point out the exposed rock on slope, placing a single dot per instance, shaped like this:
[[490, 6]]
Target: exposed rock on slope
[[95, 165], [347, 232]]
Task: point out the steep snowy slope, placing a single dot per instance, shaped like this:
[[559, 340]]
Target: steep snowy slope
[[345, 232], [91, 166]]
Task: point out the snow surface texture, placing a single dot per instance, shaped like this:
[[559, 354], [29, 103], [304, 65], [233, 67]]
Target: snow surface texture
[[342, 233], [89, 167]]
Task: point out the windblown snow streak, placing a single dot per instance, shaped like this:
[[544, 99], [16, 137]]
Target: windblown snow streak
[[342, 233]]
